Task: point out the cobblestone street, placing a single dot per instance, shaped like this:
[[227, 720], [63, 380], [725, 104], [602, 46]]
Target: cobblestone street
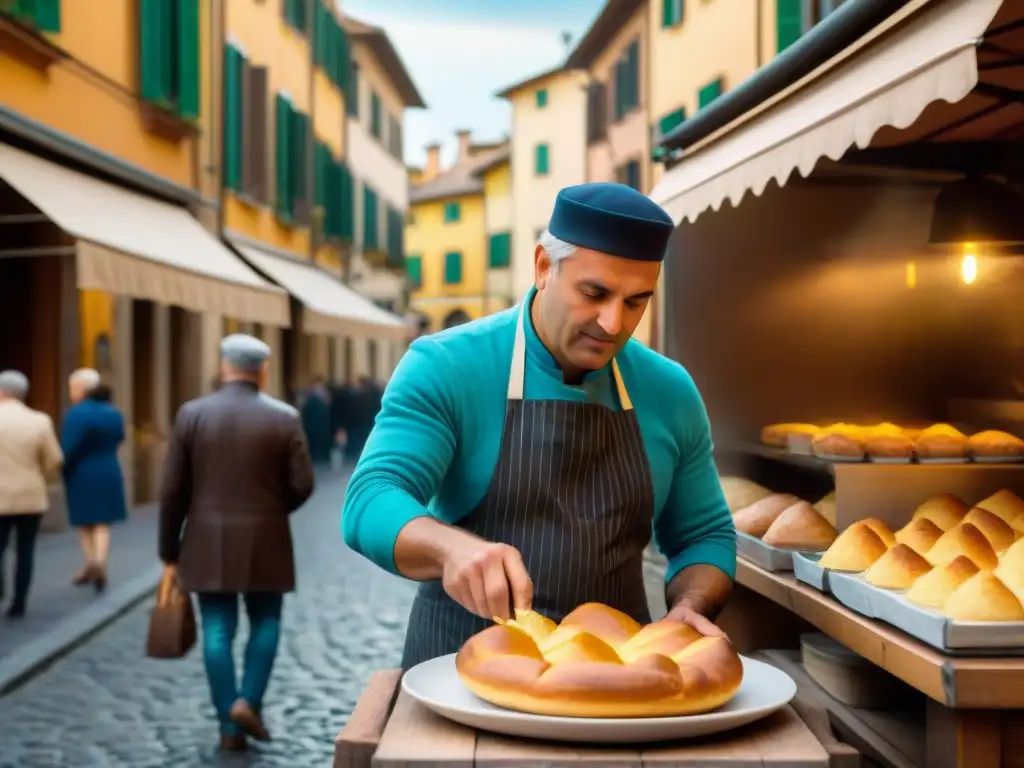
[[107, 705]]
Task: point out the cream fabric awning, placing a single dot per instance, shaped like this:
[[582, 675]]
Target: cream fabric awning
[[927, 54], [331, 307], [133, 245]]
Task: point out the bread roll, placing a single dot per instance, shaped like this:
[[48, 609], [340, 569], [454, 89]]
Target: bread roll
[[945, 511], [756, 519], [834, 444], [998, 533], [890, 447], [599, 663], [1007, 506], [1011, 569], [933, 589], [777, 435], [740, 492], [941, 441], [884, 531], [983, 597], [993, 444], [963, 539], [826, 507], [800, 527], [920, 534], [897, 569], [854, 550]]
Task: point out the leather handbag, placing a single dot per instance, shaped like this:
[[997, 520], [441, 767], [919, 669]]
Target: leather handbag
[[172, 625]]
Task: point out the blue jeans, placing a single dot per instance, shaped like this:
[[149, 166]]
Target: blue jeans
[[219, 613]]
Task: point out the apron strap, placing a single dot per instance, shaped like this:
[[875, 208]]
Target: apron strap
[[517, 374]]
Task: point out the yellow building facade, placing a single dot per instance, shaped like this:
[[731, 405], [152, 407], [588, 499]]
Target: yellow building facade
[[448, 235]]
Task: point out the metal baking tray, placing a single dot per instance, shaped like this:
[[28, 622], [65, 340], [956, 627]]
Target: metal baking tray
[[806, 568], [768, 557]]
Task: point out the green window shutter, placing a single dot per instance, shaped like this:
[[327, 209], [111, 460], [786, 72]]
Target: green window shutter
[[709, 93], [396, 237], [671, 12], [500, 250], [453, 267], [375, 116], [542, 97], [47, 15], [670, 121], [187, 58], [789, 22], [283, 157], [154, 83], [319, 33], [352, 93], [633, 74], [347, 200], [232, 141], [452, 211], [371, 227], [542, 160], [414, 269], [343, 67], [299, 148]]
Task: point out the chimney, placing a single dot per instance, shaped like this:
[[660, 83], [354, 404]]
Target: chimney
[[464, 144], [433, 161]]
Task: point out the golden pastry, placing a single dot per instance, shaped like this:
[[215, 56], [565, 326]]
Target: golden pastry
[[884, 531], [800, 527], [993, 444], [983, 597], [998, 533], [934, 588], [756, 519], [1007, 506], [890, 447], [945, 511], [963, 539], [740, 492], [854, 550], [1011, 569], [897, 569], [838, 445], [777, 435], [941, 441], [826, 507], [920, 534], [885, 429]]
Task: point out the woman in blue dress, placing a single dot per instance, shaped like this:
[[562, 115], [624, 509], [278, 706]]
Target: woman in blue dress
[[93, 431]]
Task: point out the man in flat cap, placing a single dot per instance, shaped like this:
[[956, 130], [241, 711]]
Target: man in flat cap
[[521, 460], [237, 467]]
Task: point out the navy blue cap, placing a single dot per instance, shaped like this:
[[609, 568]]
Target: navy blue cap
[[612, 218]]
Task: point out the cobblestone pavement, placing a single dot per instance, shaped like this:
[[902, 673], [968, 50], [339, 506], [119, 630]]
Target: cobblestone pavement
[[106, 705]]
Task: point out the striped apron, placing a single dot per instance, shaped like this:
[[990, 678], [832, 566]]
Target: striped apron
[[572, 492]]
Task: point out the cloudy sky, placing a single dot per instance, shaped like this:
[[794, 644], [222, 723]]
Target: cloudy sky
[[461, 52]]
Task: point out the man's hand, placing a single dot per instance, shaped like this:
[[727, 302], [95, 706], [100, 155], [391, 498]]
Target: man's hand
[[690, 617], [486, 578]]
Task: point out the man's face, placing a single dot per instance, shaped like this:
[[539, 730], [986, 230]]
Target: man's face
[[590, 303]]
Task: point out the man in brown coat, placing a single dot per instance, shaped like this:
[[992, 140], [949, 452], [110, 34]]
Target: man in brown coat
[[237, 467]]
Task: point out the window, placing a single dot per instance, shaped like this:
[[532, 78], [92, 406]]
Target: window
[[168, 55], [627, 81], [291, 146], [709, 93], [629, 174], [500, 250], [452, 211], [789, 22], [352, 101], [542, 98], [453, 267], [671, 13], [234, 79], [670, 121], [43, 15], [396, 236], [376, 126], [542, 163], [414, 269], [395, 137], [330, 46], [295, 14], [339, 198], [246, 98], [371, 219], [597, 112]]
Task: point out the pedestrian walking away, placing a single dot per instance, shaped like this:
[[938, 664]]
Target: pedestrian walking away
[[93, 431], [29, 456], [237, 467], [520, 461]]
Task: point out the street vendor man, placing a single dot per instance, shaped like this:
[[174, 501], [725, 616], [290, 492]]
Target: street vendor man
[[521, 460]]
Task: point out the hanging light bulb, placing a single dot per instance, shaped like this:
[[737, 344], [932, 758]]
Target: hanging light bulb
[[969, 265], [911, 274]]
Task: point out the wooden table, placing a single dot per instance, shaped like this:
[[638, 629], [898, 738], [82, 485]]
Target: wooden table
[[976, 705], [410, 736]]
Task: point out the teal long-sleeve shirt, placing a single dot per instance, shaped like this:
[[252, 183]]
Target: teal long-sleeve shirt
[[436, 440]]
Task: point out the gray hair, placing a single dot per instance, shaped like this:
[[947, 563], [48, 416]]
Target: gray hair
[[556, 249], [14, 384], [89, 378]]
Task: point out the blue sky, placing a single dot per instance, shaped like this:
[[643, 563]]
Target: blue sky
[[461, 52]]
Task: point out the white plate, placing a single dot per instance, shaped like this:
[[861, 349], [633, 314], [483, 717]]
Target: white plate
[[436, 685]]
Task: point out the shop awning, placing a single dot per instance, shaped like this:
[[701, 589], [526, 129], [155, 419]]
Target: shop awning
[[923, 53], [330, 307], [132, 245]]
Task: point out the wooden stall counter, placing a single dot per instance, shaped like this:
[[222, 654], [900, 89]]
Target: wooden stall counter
[[389, 729]]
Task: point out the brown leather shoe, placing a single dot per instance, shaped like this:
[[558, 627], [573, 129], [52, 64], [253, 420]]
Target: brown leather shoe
[[243, 714], [233, 742]]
